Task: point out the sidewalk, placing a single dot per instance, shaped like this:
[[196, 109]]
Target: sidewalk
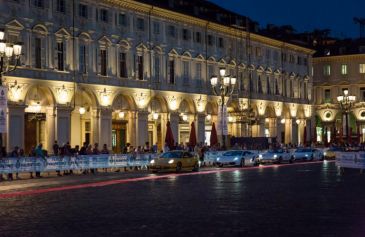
[[52, 180]]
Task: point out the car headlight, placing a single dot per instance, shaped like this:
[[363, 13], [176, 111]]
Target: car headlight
[[152, 162], [236, 158], [325, 153], [306, 155], [260, 156], [218, 158], [275, 156], [171, 161]]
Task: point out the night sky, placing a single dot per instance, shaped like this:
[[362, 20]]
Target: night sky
[[336, 15]]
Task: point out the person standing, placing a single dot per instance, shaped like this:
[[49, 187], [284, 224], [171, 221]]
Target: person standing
[[39, 153]]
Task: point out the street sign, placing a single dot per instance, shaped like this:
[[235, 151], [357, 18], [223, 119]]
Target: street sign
[[222, 126]]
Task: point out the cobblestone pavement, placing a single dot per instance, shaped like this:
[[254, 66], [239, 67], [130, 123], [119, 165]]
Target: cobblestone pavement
[[309, 199]]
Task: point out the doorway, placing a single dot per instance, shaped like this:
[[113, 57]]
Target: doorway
[[118, 136], [35, 132]]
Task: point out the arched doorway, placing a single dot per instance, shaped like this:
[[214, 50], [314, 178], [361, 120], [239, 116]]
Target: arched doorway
[[81, 118], [39, 100], [122, 107]]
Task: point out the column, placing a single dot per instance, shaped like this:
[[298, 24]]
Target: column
[[288, 130], [95, 119], [63, 125], [200, 127], [294, 132], [261, 127], [279, 130], [174, 123], [15, 135], [131, 128], [76, 128], [272, 127], [309, 131], [142, 128], [105, 128], [164, 119], [50, 128]]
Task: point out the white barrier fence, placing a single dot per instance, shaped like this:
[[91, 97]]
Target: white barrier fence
[[36, 164], [355, 160]]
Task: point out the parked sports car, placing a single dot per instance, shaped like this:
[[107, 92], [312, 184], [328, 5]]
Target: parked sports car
[[307, 154], [237, 158], [175, 161], [275, 156]]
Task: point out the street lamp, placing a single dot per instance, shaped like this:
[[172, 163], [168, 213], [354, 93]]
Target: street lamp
[[223, 86], [8, 53], [346, 101]]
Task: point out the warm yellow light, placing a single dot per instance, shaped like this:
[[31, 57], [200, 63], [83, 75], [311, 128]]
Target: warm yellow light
[[185, 117], [82, 110], [298, 121], [282, 121], [63, 95], [214, 81], [155, 116], [209, 117], [104, 98], [222, 72], [121, 114]]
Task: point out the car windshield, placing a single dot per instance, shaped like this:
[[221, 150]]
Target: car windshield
[[172, 154], [276, 151], [232, 153], [303, 150]]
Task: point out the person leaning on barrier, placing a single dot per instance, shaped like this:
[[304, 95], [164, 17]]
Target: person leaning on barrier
[[39, 152]]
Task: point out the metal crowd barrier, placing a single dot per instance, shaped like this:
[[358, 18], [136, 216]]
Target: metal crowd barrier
[[54, 163]]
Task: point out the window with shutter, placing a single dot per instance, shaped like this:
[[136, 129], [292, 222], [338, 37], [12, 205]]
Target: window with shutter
[[60, 7], [82, 10], [60, 56], [103, 62], [123, 65], [157, 68], [82, 59], [38, 52], [140, 67], [171, 71]]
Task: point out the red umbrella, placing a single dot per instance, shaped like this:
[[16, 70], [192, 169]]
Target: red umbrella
[[192, 138], [213, 136], [169, 136]]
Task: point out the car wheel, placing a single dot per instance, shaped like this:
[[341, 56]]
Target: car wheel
[[280, 160], [322, 158], [311, 159], [178, 167], [196, 167], [220, 165], [242, 163], [154, 171]]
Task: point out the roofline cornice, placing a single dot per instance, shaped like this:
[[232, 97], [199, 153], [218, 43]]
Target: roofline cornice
[[175, 16]]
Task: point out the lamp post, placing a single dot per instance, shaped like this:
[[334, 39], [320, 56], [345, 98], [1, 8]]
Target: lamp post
[[346, 101], [223, 86], [9, 60]]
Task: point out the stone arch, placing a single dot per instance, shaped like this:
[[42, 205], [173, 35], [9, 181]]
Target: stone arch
[[211, 108], [212, 59], [200, 57], [186, 106], [85, 36], [222, 61], [41, 94], [158, 49], [40, 29], [105, 41], [124, 44], [85, 96], [161, 102], [270, 111], [123, 102], [187, 54]]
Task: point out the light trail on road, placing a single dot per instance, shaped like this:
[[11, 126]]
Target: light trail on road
[[147, 178]]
